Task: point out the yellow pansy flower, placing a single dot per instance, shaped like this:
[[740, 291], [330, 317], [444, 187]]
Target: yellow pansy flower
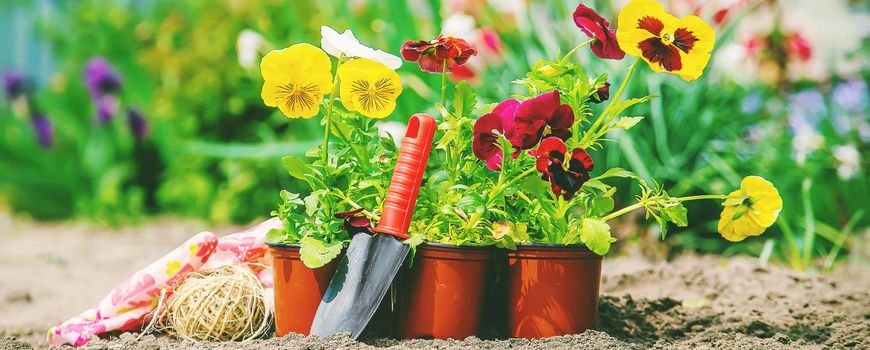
[[296, 79], [749, 210], [668, 44], [369, 87]]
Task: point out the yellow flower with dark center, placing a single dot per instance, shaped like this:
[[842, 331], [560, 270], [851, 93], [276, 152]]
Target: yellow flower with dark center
[[668, 44], [368, 87], [749, 210], [296, 79]]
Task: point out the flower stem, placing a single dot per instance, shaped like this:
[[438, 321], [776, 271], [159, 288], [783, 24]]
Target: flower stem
[[641, 203], [329, 108], [501, 186], [598, 132], [571, 53], [444, 85]]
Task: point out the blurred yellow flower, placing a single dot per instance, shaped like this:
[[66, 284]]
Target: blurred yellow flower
[[369, 87], [749, 210], [668, 44], [296, 78]]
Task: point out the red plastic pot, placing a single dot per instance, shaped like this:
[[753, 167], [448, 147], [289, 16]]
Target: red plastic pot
[[553, 290], [442, 295], [298, 289]]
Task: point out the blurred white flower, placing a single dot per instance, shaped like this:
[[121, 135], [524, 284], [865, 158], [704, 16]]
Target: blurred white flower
[[460, 25], [848, 161], [248, 46], [347, 45], [396, 130], [806, 140]]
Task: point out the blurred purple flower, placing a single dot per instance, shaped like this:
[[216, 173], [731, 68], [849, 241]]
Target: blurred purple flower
[[138, 124], [805, 109], [101, 78], [14, 85], [44, 130], [851, 95], [107, 108]]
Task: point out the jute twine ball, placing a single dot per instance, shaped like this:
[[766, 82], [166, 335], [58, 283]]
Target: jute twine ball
[[222, 304]]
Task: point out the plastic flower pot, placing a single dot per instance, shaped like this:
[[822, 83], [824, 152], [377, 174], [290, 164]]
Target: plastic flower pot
[[553, 290], [442, 295], [298, 288]]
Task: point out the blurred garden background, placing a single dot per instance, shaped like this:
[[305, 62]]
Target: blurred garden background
[[180, 130]]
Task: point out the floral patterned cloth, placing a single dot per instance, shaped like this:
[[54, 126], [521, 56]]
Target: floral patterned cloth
[[129, 305]]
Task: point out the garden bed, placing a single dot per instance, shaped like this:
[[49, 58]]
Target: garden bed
[[690, 302]]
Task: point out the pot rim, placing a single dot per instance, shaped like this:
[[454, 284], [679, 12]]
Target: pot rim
[[283, 245], [454, 246], [553, 246]]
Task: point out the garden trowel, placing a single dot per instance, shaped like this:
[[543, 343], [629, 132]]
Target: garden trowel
[[372, 261]]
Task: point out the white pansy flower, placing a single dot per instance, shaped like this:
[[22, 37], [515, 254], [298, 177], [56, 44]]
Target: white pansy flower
[[248, 46], [347, 45], [848, 161], [806, 141]]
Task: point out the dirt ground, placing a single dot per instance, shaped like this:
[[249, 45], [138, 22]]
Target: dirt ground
[[49, 272]]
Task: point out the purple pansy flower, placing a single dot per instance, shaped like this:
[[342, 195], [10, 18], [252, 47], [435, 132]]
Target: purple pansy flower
[[101, 78], [44, 130], [138, 124], [107, 107], [14, 85]]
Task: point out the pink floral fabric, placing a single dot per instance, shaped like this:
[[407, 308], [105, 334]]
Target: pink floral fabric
[[129, 305]]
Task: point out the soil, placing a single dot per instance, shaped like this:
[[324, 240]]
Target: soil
[[49, 272]]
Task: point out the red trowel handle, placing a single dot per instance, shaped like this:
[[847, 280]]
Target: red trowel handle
[[402, 195]]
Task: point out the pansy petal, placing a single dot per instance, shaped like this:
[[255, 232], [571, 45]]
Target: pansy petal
[[541, 105], [738, 229], [697, 39], [630, 32], [562, 117], [389, 60]]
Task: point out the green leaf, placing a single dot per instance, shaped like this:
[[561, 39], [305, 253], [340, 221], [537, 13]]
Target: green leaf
[[276, 236], [290, 198], [677, 214], [622, 105], [312, 202], [627, 122], [663, 223], [296, 167], [315, 253], [596, 185], [616, 172], [600, 206], [595, 234], [472, 202], [464, 99]]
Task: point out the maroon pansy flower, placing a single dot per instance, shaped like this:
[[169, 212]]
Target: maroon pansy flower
[[541, 116], [355, 223], [485, 144], [432, 55], [565, 179], [594, 26], [601, 94]]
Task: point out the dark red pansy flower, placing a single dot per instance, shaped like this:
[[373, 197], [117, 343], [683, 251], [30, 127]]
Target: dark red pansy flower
[[354, 222], [432, 55], [601, 94], [565, 179], [596, 27], [541, 116], [485, 144]]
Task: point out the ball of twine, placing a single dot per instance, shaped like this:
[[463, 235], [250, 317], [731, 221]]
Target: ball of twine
[[222, 304]]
